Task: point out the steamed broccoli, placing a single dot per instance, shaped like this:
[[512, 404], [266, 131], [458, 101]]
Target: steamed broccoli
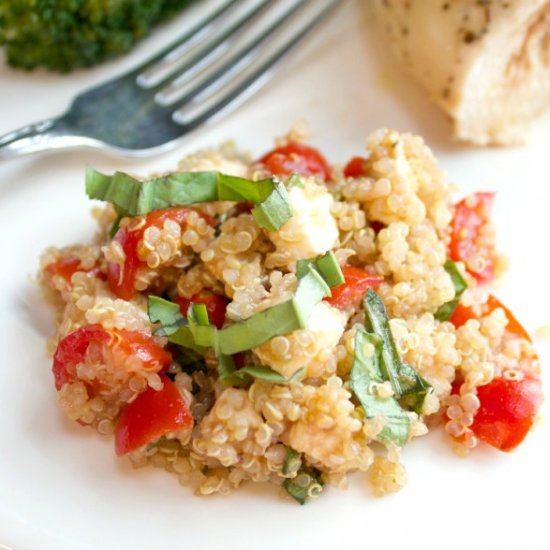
[[62, 35]]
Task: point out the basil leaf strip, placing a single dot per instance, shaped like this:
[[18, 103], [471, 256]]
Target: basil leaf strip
[[244, 376], [280, 319], [365, 372], [445, 311], [305, 485], [404, 379], [326, 265], [134, 197], [292, 461], [166, 313]]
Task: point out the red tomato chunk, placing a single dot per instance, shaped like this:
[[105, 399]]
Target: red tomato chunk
[[463, 313], [471, 216], [296, 158], [92, 343], [67, 267], [216, 306], [152, 415], [357, 281], [122, 278], [507, 411], [355, 168]]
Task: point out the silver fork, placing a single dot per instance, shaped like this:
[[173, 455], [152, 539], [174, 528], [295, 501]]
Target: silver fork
[[211, 69]]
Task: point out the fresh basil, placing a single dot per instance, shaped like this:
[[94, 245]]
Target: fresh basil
[[445, 311], [405, 381], [134, 197], [305, 485], [365, 373]]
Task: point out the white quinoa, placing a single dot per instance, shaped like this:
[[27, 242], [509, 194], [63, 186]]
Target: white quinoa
[[242, 434]]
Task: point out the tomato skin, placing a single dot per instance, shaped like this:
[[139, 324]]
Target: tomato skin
[[121, 279], [216, 305], [507, 411], [150, 416], [296, 158], [466, 225], [513, 326], [461, 314], [67, 267], [464, 313], [357, 282], [72, 350], [355, 168]]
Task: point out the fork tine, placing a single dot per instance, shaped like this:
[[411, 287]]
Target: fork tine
[[207, 105], [190, 36], [176, 58], [183, 88]]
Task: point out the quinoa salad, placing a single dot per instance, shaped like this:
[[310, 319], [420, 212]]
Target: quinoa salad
[[287, 320]]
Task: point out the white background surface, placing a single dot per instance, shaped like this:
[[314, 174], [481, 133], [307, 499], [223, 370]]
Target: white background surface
[[61, 487]]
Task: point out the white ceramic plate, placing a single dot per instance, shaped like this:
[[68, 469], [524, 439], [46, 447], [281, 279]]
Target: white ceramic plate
[[61, 487]]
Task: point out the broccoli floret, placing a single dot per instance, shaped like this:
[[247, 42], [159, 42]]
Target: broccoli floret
[[62, 35]]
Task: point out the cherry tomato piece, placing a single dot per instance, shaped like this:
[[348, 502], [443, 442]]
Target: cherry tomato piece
[[121, 278], [73, 350], [471, 215], [150, 416], [507, 411], [463, 313], [296, 158], [67, 267], [216, 306], [357, 282], [355, 168]]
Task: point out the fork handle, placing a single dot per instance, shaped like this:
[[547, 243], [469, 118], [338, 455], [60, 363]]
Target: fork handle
[[40, 136]]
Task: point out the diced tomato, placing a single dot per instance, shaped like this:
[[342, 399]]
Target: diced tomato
[[507, 411], [71, 351], [355, 168], [296, 158], [470, 216], [357, 282], [244, 207], [74, 349], [463, 313], [121, 278], [152, 415], [513, 325], [67, 267], [216, 305]]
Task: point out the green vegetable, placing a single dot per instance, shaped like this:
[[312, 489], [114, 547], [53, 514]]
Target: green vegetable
[[62, 35], [166, 313], [292, 462], [244, 376], [204, 334], [305, 485], [135, 197], [326, 265], [197, 334], [445, 312], [365, 373], [405, 381], [280, 319]]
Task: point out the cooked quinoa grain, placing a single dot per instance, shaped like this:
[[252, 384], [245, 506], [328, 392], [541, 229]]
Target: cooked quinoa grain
[[317, 401]]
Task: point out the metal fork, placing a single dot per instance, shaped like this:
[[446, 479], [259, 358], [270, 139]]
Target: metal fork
[[211, 69]]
